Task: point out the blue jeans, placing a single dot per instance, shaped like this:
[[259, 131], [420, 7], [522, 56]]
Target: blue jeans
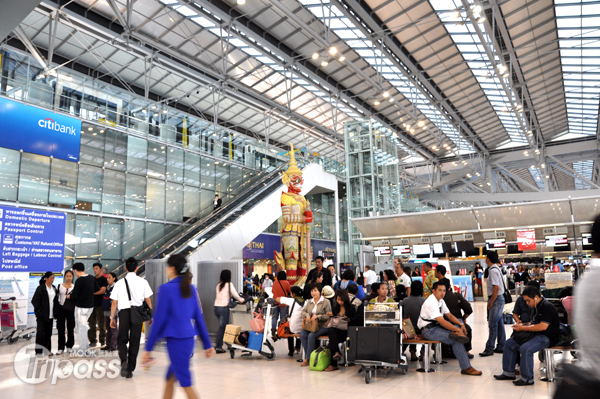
[[496, 325], [279, 312], [512, 349], [222, 313], [308, 340], [441, 334]]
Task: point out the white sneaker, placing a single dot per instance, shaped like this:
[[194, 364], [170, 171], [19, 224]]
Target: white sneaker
[[69, 350], [60, 352]]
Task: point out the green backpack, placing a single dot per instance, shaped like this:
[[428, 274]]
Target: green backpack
[[320, 359]]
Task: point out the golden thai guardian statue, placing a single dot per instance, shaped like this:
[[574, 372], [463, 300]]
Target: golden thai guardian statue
[[295, 231]]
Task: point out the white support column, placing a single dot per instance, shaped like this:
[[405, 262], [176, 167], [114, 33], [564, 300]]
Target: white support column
[[337, 229]]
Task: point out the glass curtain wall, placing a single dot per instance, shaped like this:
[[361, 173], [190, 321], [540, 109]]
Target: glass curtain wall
[[372, 175]]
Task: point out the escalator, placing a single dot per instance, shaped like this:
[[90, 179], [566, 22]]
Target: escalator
[[222, 233]]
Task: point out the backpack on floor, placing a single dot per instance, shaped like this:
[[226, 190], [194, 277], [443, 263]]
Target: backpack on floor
[[320, 359]]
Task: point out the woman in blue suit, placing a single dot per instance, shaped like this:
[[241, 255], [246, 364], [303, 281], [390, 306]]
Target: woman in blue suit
[[180, 327]]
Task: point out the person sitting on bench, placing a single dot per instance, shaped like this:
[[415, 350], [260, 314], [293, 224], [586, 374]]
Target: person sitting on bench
[[436, 328], [543, 332]]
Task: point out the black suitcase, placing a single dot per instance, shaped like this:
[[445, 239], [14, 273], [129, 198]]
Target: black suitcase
[[380, 344]]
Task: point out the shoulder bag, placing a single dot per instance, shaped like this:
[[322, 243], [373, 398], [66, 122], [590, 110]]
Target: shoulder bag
[[337, 322], [257, 324], [232, 302], [311, 325], [507, 296], [139, 314], [408, 330], [69, 304], [283, 328]]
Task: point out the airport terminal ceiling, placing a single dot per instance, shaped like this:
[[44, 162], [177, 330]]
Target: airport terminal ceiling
[[484, 98]]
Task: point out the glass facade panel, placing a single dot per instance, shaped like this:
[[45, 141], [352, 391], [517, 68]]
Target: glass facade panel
[[221, 178], [207, 168], [155, 199], [154, 232], [133, 237], [191, 201], [33, 179], [137, 153], [157, 160], [91, 150], [135, 196], [175, 158], [87, 235], [63, 183], [9, 174], [236, 174], [174, 207], [115, 150], [192, 169], [206, 201], [89, 189], [111, 243], [113, 192]]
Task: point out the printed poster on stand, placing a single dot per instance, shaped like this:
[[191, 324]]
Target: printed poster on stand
[[464, 286]]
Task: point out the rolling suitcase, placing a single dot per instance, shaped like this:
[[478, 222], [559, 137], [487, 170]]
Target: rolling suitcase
[[380, 344]]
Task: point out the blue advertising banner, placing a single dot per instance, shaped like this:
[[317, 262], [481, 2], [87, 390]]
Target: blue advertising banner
[[464, 286], [31, 240], [265, 245], [39, 131]]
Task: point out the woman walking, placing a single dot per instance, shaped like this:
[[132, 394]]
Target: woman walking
[[111, 333], [225, 291], [177, 326], [45, 306], [66, 315]]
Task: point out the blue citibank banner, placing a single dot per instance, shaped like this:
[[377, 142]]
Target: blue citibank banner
[[39, 131], [31, 240]]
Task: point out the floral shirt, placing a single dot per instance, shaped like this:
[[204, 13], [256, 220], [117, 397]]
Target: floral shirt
[[428, 283]]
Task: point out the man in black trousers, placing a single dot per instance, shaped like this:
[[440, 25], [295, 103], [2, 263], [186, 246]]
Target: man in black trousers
[[129, 291]]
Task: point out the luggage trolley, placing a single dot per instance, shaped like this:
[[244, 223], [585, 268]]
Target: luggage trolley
[[379, 343], [265, 340], [10, 322]]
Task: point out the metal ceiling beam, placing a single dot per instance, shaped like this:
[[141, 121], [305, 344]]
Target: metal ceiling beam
[[371, 25], [98, 27], [20, 33], [301, 65], [511, 197], [572, 172]]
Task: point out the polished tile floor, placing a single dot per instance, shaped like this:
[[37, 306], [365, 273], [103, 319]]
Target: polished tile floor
[[222, 377]]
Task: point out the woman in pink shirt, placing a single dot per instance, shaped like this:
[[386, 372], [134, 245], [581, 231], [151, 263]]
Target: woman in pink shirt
[[225, 291]]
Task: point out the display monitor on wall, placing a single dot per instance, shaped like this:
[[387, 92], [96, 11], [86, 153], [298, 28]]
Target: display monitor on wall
[[463, 246], [401, 250], [586, 242], [495, 244], [438, 248], [421, 249], [556, 241], [382, 251]]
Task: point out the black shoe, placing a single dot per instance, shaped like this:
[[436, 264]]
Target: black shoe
[[498, 351], [124, 372], [522, 383], [299, 360], [220, 350], [105, 348], [470, 356], [503, 377], [291, 354], [486, 353], [129, 375]]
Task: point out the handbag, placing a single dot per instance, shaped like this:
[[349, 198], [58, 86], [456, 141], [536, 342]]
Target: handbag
[[139, 314], [257, 324], [283, 328], [506, 294], [576, 382], [337, 322], [408, 329], [311, 325], [521, 337], [69, 304], [232, 302]]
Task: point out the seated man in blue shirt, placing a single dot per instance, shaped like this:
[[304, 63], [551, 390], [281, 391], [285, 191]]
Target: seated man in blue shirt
[[544, 329]]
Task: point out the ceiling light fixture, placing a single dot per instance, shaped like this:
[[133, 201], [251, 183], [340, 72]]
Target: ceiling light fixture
[[543, 166], [376, 102], [526, 153], [480, 20], [241, 2], [385, 94], [421, 123], [342, 59], [530, 133], [315, 56], [469, 175], [477, 9], [332, 50], [391, 99], [324, 63], [537, 150], [547, 177]]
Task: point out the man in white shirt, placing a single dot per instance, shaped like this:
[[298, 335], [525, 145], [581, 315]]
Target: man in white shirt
[[370, 277], [131, 333], [334, 277], [295, 306], [436, 328], [401, 277]]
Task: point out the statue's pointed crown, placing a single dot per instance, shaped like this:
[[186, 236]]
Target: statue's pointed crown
[[293, 168]]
